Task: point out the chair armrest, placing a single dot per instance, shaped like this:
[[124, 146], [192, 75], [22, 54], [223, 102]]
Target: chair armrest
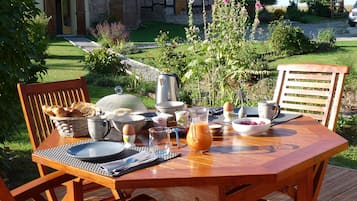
[[39, 185]]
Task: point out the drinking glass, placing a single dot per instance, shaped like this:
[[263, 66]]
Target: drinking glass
[[159, 140]]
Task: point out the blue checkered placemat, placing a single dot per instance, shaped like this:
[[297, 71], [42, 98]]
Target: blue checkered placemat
[[60, 154]]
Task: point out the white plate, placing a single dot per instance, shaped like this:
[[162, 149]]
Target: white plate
[[95, 150]]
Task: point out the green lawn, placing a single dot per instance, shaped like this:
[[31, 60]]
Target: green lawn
[[345, 54], [148, 31], [64, 61]]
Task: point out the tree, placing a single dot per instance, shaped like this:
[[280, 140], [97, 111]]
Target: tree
[[21, 57]]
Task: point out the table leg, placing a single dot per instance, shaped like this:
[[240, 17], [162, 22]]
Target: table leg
[[74, 191], [304, 189], [310, 183]]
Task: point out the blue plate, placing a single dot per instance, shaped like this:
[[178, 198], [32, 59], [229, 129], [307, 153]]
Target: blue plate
[[95, 150]]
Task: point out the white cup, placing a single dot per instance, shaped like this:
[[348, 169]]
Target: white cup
[[181, 118], [98, 128], [268, 109]]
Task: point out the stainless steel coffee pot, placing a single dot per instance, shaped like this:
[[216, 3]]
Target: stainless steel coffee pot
[[167, 88]]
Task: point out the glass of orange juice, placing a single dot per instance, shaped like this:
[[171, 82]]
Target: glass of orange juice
[[198, 137]]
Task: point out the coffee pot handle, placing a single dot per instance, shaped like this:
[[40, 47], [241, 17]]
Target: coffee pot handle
[[177, 79]]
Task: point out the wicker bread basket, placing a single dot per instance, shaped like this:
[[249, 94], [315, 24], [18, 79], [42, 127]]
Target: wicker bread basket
[[71, 126]]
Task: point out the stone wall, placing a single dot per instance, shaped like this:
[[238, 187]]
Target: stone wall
[[98, 10], [172, 11]]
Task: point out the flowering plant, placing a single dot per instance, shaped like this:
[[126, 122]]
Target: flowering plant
[[111, 34], [225, 57]]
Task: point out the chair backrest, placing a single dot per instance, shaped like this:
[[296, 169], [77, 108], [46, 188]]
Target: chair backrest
[[33, 96], [311, 89]]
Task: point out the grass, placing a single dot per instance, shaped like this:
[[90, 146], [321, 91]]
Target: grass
[[343, 55], [148, 31], [64, 61]]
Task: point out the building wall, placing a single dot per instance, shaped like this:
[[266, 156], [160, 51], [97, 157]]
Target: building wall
[[40, 4], [98, 10], [167, 10]]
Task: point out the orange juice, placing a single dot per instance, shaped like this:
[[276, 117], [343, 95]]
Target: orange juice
[[198, 136]]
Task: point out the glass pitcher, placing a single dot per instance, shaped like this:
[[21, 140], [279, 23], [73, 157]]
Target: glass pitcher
[[198, 137]]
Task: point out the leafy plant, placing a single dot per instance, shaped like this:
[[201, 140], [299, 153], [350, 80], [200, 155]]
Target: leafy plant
[[326, 39], [286, 39], [103, 61], [38, 32], [347, 127], [293, 12], [21, 58], [224, 58], [278, 14], [110, 34], [170, 60]]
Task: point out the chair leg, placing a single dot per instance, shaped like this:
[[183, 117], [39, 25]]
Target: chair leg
[[50, 193]]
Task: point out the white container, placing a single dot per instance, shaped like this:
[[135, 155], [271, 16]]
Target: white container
[[256, 126]]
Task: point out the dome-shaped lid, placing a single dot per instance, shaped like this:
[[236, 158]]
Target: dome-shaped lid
[[120, 100]]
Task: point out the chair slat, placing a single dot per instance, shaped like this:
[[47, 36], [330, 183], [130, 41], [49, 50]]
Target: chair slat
[[307, 92], [307, 100], [311, 85], [302, 107], [310, 76]]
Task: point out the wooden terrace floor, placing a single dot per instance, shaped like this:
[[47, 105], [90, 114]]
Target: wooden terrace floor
[[340, 184]]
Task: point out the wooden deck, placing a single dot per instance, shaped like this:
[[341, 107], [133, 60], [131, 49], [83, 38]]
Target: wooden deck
[[340, 184]]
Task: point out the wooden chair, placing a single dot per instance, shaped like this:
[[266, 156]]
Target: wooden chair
[[34, 188], [39, 126], [314, 90]]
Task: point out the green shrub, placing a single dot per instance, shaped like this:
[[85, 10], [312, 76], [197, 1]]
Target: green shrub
[[322, 9], [170, 60], [346, 126], [102, 61], [286, 39], [326, 39], [38, 32], [110, 34], [265, 16], [293, 13], [21, 59], [278, 14]]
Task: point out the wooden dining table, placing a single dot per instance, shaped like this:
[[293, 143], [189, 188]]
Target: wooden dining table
[[290, 157]]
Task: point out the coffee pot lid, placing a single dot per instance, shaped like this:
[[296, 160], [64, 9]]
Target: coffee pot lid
[[119, 100]]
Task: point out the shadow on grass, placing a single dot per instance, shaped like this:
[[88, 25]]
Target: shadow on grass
[[343, 161], [21, 170], [65, 57]]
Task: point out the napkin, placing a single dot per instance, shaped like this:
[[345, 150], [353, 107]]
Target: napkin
[[215, 111], [118, 166], [284, 117]]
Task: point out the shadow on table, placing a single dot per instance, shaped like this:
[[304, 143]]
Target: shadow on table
[[244, 149]]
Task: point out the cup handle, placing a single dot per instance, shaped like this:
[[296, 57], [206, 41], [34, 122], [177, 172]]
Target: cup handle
[[106, 123], [176, 131], [276, 110]]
